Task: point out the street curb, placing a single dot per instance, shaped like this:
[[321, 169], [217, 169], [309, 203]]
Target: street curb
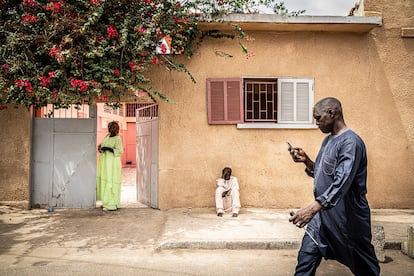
[[238, 245], [244, 245]]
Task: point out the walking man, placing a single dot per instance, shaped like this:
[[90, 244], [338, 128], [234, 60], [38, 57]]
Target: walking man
[[339, 220]]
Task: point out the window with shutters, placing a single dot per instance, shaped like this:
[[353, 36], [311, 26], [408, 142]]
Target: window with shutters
[[281, 102]]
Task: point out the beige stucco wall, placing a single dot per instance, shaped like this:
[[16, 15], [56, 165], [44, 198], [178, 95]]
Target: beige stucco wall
[[368, 72], [394, 57], [15, 156]]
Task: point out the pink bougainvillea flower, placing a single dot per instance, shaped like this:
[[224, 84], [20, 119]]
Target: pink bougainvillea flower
[[29, 89], [55, 94], [116, 72], [141, 93], [55, 7], [19, 83], [31, 3], [99, 39], [93, 2], [4, 67], [112, 32], [163, 48], [29, 18], [74, 82], [155, 60], [44, 81], [250, 54], [60, 58], [54, 51], [52, 74], [103, 98], [131, 66], [82, 85], [142, 29], [26, 84]]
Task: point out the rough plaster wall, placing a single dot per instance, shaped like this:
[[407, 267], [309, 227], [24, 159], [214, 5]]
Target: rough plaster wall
[[344, 65], [15, 155], [392, 59]]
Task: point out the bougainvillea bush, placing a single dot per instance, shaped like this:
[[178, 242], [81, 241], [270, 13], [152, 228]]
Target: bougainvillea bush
[[84, 51]]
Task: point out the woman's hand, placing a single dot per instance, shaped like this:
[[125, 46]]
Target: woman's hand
[[107, 149]]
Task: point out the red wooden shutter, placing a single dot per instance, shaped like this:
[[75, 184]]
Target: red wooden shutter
[[225, 101]]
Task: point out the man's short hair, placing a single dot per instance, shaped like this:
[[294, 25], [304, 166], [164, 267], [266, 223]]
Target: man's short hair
[[226, 169]]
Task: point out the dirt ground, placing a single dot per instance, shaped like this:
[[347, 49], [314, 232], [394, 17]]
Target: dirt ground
[[86, 228]]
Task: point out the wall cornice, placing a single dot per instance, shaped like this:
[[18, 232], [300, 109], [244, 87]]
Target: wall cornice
[[272, 22]]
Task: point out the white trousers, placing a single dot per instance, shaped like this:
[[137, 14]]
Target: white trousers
[[229, 203]]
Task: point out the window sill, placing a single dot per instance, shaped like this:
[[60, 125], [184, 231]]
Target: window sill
[[276, 126]]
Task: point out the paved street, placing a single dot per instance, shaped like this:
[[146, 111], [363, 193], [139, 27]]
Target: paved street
[[118, 261], [135, 241]]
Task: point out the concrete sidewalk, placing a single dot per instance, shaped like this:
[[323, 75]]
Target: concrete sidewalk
[[259, 229], [172, 229]]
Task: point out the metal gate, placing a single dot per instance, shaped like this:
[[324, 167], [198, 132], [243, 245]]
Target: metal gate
[[63, 165], [147, 155]]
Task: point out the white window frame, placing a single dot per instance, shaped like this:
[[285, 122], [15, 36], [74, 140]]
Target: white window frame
[[285, 123]]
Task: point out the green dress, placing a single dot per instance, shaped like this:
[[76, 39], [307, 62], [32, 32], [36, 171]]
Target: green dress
[[109, 173]]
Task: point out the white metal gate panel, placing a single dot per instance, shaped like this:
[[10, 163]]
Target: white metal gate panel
[[64, 162], [147, 155]]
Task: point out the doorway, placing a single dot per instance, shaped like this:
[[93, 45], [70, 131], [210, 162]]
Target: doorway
[[129, 189], [125, 116]]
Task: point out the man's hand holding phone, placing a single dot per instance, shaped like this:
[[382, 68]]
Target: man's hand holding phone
[[298, 154]]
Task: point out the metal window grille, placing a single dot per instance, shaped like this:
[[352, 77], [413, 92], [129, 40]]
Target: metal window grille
[[114, 111], [260, 100], [132, 107], [107, 108], [121, 110], [147, 112]]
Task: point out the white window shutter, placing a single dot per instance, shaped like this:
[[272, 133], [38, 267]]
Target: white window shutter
[[286, 108], [295, 101]]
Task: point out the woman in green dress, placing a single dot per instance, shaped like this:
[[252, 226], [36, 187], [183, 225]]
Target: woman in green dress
[[109, 170]]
